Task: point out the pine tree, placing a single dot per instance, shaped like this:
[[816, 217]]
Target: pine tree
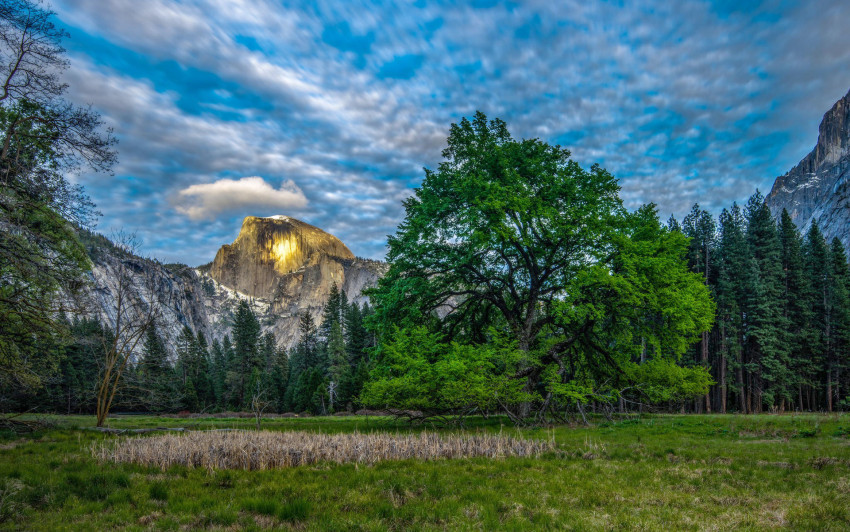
[[79, 366], [699, 225], [818, 273], [339, 371], [730, 298], [355, 334], [230, 375], [794, 301], [201, 372], [218, 372], [308, 340], [836, 359], [186, 349], [673, 224], [772, 380], [334, 312], [279, 380], [156, 374], [246, 337]]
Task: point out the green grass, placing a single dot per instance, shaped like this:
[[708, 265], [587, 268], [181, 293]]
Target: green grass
[[653, 472]]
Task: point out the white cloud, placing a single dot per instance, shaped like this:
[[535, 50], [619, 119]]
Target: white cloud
[[207, 200]]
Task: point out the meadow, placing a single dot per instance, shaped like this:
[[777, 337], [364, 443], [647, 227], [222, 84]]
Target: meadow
[[685, 472]]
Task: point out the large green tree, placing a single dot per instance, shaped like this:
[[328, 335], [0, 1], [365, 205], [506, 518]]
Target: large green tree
[[515, 235]]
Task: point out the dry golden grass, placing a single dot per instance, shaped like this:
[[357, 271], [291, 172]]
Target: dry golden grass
[[268, 450]]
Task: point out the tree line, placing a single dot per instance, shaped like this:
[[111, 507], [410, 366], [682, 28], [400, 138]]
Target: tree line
[[321, 374], [781, 338], [518, 284]]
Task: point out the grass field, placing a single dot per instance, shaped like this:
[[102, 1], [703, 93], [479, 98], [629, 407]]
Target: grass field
[[649, 473]]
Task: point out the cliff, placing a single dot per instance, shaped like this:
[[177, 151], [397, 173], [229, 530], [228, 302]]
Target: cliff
[[288, 267], [817, 188], [279, 265]]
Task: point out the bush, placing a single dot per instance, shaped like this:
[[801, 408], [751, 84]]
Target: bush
[[807, 433]]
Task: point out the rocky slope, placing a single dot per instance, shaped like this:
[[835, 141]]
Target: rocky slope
[[817, 188], [279, 265], [176, 290], [289, 266]]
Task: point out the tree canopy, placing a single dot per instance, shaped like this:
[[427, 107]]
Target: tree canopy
[[42, 137], [515, 237]]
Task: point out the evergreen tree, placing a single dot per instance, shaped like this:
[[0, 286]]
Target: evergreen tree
[[79, 368], [335, 310], [279, 380], [819, 274], [218, 372], [699, 225], [795, 298], [308, 342], [839, 327], [229, 397], [201, 373], [355, 334], [186, 350], [673, 224], [772, 380], [246, 356], [730, 296], [339, 372], [156, 374]]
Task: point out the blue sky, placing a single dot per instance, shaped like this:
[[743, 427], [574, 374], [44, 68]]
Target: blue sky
[[328, 111]]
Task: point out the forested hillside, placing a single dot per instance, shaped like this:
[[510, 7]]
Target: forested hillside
[[322, 374]]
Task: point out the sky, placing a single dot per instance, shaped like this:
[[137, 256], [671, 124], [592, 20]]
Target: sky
[[327, 111]]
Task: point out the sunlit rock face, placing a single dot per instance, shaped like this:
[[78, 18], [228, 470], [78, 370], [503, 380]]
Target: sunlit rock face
[[288, 267], [269, 249], [279, 265], [818, 188]]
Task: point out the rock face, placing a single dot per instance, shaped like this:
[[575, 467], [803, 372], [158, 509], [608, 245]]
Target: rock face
[[279, 265], [268, 250], [178, 291], [817, 188], [289, 266]]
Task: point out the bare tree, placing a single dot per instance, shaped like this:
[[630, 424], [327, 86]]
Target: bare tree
[[332, 393], [134, 309], [259, 402], [32, 58]]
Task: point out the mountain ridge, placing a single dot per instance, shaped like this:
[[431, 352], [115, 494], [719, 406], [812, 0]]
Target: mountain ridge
[[280, 284], [818, 187]]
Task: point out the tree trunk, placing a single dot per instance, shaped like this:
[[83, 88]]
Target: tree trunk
[[829, 389], [741, 404], [705, 363], [723, 383]]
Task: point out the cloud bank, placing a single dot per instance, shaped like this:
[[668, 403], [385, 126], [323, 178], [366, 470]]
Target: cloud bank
[[685, 101], [248, 195]]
